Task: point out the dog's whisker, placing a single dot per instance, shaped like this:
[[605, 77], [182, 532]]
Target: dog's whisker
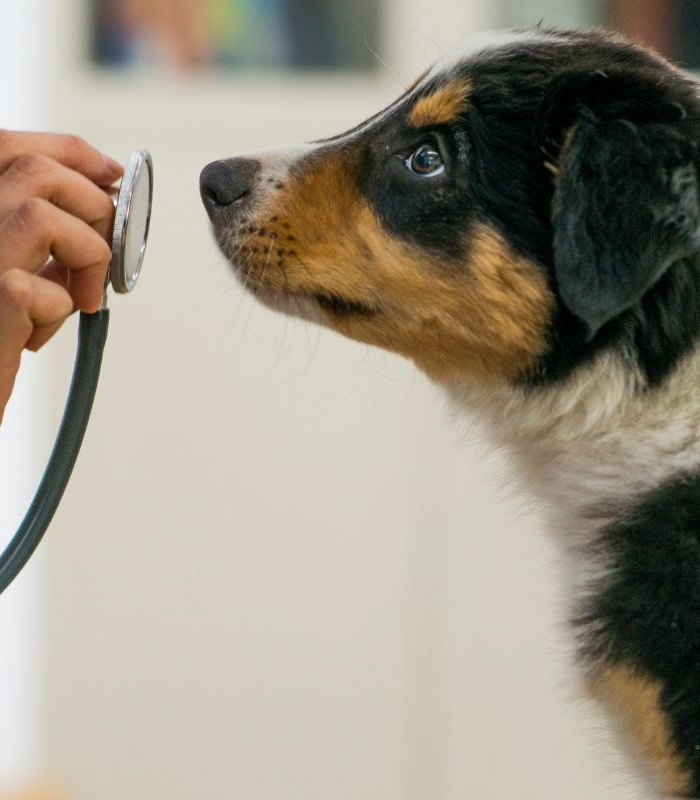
[[400, 80]]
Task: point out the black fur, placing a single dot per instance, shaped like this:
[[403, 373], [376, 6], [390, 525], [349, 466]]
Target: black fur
[[625, 209], [646, 612], [617, 232]]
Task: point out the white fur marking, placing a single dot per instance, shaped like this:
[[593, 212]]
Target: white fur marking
[[487, 41]]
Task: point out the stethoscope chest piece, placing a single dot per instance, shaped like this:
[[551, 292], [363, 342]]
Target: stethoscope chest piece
[[132, 219]]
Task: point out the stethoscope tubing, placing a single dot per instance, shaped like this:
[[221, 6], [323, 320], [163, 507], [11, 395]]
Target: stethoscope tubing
[[92, 336]]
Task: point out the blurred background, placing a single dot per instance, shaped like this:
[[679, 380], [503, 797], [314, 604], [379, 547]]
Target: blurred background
[[280, 570]]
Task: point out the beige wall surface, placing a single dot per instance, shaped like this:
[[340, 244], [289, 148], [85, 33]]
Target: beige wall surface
[[279, 570]]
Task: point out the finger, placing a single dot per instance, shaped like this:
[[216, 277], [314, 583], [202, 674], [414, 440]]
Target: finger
[[42, 333], [71, 151], [40, 176], [31, 310], [37, 230], [63, 277], [56, 273]]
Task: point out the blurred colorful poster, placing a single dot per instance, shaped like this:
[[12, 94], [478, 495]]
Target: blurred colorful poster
[[190, 34]]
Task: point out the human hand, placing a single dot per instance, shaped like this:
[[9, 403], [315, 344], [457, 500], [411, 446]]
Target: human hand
[[56, 220]]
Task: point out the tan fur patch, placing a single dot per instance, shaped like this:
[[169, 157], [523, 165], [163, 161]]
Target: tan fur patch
[[441, 106], [485, 314], [635, 700]]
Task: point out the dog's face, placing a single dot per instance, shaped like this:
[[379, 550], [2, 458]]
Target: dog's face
[[520, 208]]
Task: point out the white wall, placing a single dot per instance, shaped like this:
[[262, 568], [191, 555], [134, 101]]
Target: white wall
[[417, 32], [279, 572], [555, 13], [25, 58]]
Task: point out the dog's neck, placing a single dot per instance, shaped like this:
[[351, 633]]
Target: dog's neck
[[590, 450], [597, 441]]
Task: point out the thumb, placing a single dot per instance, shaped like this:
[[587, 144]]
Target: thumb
[[31, 311]]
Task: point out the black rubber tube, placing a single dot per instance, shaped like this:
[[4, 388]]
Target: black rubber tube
[[92, 335]]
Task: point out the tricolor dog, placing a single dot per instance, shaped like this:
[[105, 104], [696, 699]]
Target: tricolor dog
[[524, 223]]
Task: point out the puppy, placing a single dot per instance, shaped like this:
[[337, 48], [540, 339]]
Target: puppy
[[524, 223]]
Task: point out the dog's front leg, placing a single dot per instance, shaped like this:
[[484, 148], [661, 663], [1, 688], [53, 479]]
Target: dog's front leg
[[641, 634]]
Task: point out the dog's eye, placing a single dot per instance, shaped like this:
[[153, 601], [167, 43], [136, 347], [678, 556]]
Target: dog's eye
[[426, 162]]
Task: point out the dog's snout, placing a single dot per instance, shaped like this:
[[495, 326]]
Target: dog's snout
[[224, 183]]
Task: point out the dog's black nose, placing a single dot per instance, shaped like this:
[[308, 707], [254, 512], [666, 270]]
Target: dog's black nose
[[224, 183]]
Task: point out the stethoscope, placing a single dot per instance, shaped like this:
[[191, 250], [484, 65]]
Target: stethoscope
[[131, 224]]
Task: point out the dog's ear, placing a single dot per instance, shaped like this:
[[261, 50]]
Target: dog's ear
[[625, 207]]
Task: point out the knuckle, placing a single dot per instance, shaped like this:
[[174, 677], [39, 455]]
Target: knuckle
[[30, 214], [16, 288], [33, 166]]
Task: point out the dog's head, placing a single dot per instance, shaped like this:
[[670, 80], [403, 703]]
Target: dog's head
[[523, 206]]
